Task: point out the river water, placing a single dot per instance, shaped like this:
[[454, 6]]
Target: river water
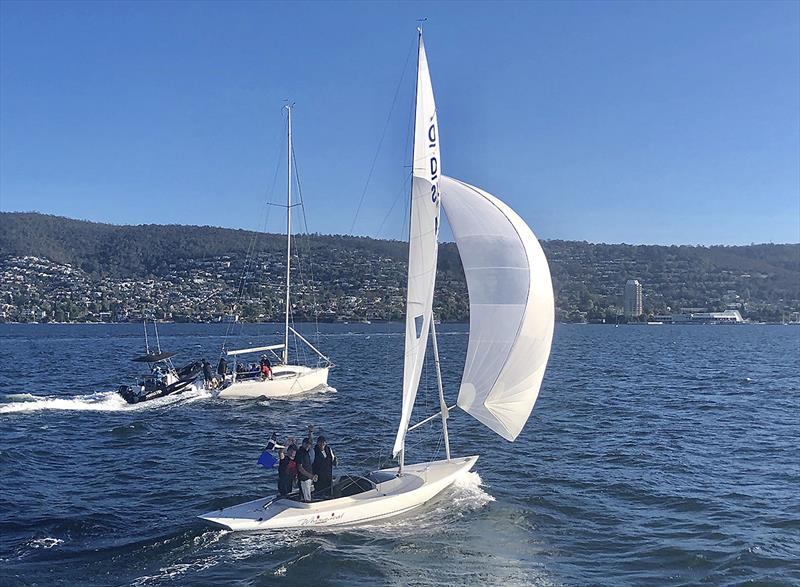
[[656, 455]]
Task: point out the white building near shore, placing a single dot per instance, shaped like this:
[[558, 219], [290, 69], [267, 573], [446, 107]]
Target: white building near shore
[[632, 300], [726, 317]]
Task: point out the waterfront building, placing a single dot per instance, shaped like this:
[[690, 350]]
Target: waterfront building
[[633, 299], [726, 317]]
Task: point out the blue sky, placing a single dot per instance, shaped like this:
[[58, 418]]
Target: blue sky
[[607, 122]]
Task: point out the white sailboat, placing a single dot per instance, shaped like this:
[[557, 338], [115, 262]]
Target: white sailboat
[[287, 380], [511, 327]]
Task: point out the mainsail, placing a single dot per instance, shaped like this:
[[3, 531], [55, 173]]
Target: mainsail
[[511, 310], [423, 240]]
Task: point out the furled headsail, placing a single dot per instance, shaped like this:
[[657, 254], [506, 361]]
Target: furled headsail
[[510, 304], [423, 240]]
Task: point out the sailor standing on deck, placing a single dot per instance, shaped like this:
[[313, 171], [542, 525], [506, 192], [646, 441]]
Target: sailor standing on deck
[[324, 461], [287, 469], [222, 370], [305, 474], [208, 376], [266, 368]]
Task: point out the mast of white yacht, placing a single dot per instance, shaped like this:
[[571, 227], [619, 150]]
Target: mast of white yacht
[[288, 232], [423, 244]]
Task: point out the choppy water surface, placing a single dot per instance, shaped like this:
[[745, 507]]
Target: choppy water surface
[[655, 455]]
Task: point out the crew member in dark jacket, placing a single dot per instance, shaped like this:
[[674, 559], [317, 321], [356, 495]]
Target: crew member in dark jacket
[[287, 470], [208, 376], [222, 369], [324, 461], [305, 474]]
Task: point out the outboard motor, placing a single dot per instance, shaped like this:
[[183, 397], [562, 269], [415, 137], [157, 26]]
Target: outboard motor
[[127, 393]]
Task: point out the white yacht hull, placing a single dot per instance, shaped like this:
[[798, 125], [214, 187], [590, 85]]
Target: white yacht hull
[[392, 497], [287, 381]]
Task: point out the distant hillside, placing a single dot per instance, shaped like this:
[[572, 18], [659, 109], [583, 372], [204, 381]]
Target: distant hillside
[[146, 249], [353, 277]]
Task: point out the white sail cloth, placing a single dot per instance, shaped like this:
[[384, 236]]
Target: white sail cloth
[[423, 241], [510, 304]]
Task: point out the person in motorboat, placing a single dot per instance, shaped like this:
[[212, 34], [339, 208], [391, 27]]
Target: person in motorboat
[[322, 467], [222, 370], [305, 473], [311, 453], [208, 376], [266, 368], [287, 469], [158, 375]]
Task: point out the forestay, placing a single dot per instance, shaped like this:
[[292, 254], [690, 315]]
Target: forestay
[[423, 241], [510, 305]]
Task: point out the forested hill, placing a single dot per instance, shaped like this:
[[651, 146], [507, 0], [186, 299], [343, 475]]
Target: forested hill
[[195, 272], [148, 249]]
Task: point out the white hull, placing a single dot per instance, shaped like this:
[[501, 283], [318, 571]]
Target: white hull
[[287, 381], [390, 496]]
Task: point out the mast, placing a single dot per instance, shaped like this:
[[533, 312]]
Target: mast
[[288, 231], [442, 404], [402, 454], [422, 243]]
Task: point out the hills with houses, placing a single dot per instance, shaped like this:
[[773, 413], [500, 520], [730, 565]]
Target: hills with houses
[[55, 269]]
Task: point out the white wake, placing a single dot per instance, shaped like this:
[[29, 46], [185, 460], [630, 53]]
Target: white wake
[[102, 401]]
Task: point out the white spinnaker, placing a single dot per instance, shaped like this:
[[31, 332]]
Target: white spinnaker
[[511, 311], [423, 241]]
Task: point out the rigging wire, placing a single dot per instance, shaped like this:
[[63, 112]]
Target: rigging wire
[[406, 227], [251, 249], [401, 192], [383, 135], [308, 248]]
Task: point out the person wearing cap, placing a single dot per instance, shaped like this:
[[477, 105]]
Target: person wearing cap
[[324, 461], [287, 469], [305, 473]]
